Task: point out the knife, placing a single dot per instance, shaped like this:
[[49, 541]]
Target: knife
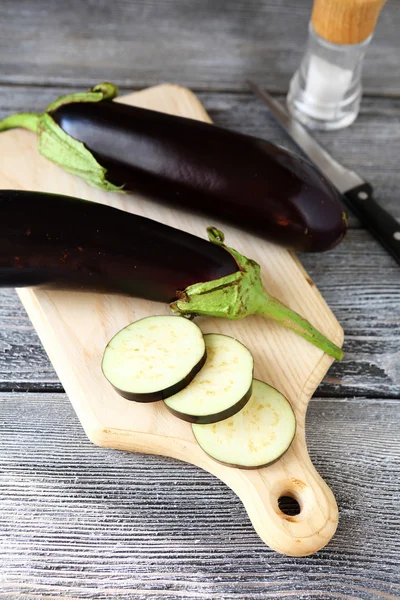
[[357, 193]]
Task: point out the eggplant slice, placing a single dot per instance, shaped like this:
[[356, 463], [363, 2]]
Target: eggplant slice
[[254, 437], [221, 388], [154, 358]]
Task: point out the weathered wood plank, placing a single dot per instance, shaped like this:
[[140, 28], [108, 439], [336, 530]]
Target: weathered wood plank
[[360, 282], [84, 522], [205, 45], [371, 146]]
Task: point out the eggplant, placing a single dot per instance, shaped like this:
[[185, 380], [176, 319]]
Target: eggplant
[[254, 437], [154, 358], [244, 180], [60, 242], [221, 388]]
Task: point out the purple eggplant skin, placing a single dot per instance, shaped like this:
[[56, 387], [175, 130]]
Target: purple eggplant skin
[[246, 181], [63, 243], [58, 242]]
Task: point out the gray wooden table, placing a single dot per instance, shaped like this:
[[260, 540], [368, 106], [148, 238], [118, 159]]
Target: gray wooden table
[[78, 521]]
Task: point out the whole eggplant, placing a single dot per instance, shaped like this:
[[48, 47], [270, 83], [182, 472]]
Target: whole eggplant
[[244, 180], [59, 242]]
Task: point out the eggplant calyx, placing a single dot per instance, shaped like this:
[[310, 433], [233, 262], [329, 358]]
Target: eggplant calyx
[[242, 293], [59, 147], [101, 91]]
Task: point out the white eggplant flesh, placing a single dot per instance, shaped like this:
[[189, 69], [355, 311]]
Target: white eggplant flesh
[[221, 388], [254, 437], [154, 357]]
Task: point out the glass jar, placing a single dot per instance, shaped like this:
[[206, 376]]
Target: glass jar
[[325, 92]]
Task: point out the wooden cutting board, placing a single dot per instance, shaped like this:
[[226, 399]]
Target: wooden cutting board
[[74, 329]]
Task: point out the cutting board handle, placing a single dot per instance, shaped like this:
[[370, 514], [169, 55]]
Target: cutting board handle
[[295, 476]]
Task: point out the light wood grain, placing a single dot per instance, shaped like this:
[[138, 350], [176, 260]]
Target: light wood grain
[[74, 329], [346, 21], [83, 522], [201, 44]]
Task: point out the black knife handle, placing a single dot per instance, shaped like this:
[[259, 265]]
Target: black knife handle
[[384, 227]]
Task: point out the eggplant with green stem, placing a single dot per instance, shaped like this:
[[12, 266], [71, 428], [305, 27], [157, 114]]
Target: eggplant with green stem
[[244, 180], [60, 242]]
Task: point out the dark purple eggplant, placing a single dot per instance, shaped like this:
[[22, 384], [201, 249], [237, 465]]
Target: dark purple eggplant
[[240, 179], [59, 242], [66, 243]]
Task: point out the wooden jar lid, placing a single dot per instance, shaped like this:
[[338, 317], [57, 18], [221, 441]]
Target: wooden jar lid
[[345, 21]]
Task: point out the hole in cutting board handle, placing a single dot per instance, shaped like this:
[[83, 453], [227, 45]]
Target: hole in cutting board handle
[[292, 499], [289, 505]]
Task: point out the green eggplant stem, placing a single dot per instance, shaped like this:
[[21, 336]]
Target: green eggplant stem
[[241, 294], [25, 120], [273, 309], [59, 147]]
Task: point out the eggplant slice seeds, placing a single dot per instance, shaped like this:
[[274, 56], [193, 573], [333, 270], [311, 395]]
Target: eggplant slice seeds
[[154, 358], [254, 437], [222, 387], [206, 380]]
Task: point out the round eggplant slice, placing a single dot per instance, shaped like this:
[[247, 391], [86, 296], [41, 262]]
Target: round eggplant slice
[[154, 358], [221, 388], [254, 437]]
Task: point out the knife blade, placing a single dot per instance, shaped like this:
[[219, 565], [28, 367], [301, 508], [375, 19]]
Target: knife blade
[[357, 193]]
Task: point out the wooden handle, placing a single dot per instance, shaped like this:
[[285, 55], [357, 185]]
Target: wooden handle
[[292, 475], [346, 21], [298, 535]]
